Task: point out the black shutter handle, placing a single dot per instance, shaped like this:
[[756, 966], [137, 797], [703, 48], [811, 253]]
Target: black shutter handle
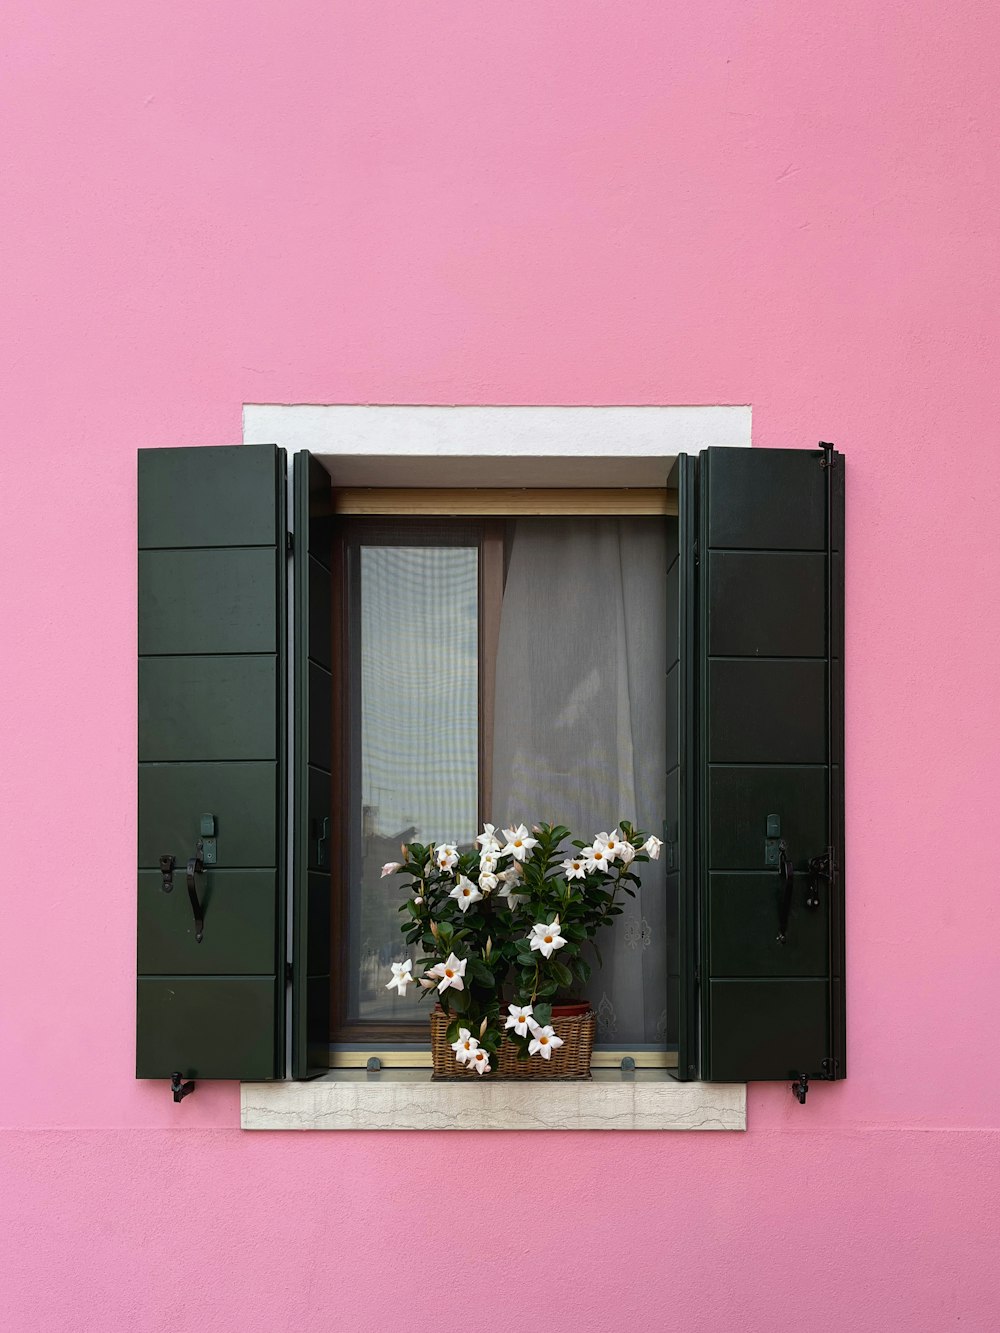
[[787, 871], [196, 867]]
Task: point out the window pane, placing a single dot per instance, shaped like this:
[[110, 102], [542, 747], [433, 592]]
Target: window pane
[[580, 726], [414, 739]]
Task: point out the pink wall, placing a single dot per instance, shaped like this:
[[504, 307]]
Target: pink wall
[[202, 205]]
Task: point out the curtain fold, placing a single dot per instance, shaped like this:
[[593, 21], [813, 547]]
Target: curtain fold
[[580, 724]]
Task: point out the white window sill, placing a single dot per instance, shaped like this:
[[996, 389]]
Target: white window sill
[[410, 1099]]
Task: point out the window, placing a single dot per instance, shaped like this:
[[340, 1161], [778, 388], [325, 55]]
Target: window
[[497, 669], [236, 739]]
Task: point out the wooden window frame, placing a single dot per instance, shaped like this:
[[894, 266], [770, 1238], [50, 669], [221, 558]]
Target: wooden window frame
[[398, 1045], [487, 533]]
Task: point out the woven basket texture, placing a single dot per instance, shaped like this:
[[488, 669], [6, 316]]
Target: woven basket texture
[[571, 1060]]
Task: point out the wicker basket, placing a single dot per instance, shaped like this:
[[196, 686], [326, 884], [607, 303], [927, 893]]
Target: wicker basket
[[570, 1060]]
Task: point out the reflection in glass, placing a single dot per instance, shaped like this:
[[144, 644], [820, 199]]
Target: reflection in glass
[[414, 738]]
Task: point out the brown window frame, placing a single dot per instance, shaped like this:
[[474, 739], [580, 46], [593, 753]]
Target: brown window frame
[[487, 509], [487, 533]]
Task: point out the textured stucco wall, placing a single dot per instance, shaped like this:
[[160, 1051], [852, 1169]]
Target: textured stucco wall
[[779, 204]]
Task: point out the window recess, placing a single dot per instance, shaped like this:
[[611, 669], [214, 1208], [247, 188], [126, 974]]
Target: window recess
[[498, 668]]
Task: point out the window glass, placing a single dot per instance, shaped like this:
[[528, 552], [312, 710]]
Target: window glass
[[413, 740]]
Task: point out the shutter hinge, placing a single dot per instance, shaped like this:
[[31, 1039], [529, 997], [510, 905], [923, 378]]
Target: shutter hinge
[[288, 973], [697, 559], [289, 543]]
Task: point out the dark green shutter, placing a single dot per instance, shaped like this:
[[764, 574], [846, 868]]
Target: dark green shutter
[[313, 694], [766, 650], [680, 836], [211, 761]]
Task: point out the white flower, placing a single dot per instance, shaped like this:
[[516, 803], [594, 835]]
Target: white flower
[[546, 938], [465, 893], [518, 1016], [626, 853], [446, 856], [418, 901], [488, 882], [611, 843], [509, 879], [488, 862], [465, 1047], [401, 977], [488, 840], [574, 867], [652, 848], [543, 1041], [597, 856], [480, 1061], [450, 973], [390, 868], [512, 874], [519, 844]]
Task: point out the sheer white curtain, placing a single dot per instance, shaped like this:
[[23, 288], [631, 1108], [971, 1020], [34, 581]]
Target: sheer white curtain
[[580, 724]]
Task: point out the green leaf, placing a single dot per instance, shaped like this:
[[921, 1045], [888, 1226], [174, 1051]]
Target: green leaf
[[453, 1029], [561, 973], [481, 972], [542, 1014]]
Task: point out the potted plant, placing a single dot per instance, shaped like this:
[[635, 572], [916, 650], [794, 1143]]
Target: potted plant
[[502, 930]]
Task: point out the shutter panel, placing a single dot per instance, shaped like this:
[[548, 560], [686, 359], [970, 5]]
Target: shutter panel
[[313, 693], [211, 761], [770, 747], [680, 833]]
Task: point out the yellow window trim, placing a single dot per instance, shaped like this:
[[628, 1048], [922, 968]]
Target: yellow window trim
[[419, 1057], [504, 501]]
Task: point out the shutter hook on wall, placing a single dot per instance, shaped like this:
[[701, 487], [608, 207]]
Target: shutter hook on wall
[[179, 1088]]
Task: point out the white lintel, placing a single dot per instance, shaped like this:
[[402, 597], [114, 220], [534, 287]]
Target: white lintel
[[424, 446]]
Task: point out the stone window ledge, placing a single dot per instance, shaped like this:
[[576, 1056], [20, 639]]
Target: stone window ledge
[[409, 1099]]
